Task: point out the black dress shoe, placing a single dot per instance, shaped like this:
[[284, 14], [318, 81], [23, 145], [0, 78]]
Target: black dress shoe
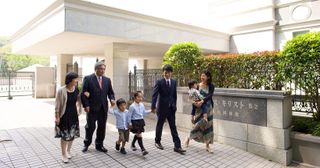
[[85, 149], [159, 146], [102, 149], [179, 150], [117, 146], [123, 151]]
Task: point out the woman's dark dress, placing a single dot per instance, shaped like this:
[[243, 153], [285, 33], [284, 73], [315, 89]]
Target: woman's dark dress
[[69, 123]]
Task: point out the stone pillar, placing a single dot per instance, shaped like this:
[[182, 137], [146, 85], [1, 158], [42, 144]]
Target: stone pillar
[[62, 61], [108, 53], [117, 62], [256, 121], [145, 64]]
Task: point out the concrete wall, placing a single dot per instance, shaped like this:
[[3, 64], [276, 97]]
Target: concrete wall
[[228, 15], [295, 17], [44, 82], [50, 25], [105, 21], [306, 148], [266, 134], [263, 25], [252, 42]]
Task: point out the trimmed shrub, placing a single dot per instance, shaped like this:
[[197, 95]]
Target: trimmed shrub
[[182, 56], [257, 70], [301, 65], [316, 131]]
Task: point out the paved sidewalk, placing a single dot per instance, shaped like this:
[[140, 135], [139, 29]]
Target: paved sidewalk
[[32, 144]]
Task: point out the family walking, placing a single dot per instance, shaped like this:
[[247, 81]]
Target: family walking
[[97, 92]]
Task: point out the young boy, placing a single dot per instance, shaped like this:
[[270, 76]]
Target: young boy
[[123, 124], [195, 95]]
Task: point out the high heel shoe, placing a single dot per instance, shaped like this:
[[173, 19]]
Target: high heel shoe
[[68, 154], [65, 159], [186, 143], [209, 150]]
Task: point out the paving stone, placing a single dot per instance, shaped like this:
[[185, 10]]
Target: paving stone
[[36, 147]]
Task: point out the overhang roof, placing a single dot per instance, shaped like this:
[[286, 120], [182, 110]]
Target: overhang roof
[[84, 28]]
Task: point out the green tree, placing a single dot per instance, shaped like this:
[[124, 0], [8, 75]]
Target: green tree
[[300, 64], [14, 62], [182, 57]]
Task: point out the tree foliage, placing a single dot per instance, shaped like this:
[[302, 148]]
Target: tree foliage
[[250, 71], [301, 65], [182, 56], [14, 62]]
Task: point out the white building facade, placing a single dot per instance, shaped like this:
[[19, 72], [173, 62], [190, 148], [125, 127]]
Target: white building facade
[[79, 30]]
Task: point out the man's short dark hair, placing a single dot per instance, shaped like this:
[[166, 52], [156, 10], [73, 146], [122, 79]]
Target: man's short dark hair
[[191, 83], [70, 76], [167, 67], [120, 101]]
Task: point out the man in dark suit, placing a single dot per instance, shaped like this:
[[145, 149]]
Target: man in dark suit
[[96, 90], [165, 90]]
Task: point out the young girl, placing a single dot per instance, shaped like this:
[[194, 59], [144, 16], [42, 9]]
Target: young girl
[[122, 122], [137, 112], [66, 114]]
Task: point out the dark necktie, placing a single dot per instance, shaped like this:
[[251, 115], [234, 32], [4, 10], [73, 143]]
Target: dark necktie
[[168, 83]]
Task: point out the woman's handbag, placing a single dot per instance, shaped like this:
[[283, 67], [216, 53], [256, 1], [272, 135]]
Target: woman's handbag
[[57, 131]]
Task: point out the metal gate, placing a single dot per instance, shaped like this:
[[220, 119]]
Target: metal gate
[[16, 84], [143, 80]]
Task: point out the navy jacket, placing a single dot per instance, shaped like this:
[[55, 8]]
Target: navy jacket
[[164, 98], [98, 97]]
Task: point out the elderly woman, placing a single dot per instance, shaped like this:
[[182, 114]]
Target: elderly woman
[[66, 114], [202, 130]]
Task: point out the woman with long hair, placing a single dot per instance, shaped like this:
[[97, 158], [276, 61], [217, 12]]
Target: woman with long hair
[[202, 130]]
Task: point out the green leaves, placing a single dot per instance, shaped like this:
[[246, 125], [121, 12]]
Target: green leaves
[[252, 71], [301, 65], [14, 62], [182, 57]]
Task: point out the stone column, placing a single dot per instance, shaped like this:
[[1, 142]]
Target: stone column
[[145, 64], [108, 53], [117, 62], [62, 61]]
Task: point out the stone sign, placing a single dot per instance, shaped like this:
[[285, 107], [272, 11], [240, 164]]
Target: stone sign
[[239, 109]]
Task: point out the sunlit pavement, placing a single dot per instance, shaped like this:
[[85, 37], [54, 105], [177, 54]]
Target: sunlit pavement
[[27, 140]]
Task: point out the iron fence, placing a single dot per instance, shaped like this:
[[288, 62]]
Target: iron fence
[[302, 102], [144, 80], [16, 84]]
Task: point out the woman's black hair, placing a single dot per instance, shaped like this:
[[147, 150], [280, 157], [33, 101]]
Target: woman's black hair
[[208, 74], [120, 101], [70, 76]]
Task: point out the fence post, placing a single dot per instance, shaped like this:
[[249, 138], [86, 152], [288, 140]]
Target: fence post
[[75, 67], [135, 77], [130, 89], [9, 93]]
